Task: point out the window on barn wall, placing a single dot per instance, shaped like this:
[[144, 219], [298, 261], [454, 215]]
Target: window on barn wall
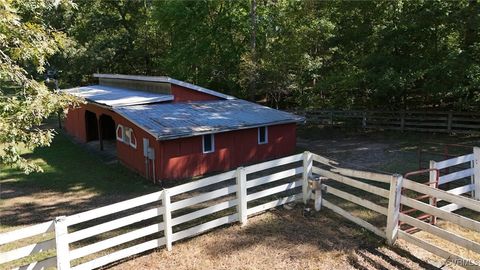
[[133, 139], [129, 138], [262, 135], [120, 133], [208, 143]]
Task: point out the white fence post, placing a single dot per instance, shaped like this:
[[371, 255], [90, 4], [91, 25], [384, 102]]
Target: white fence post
[[476, 172], [61, 242], [307, 173], [167, 219], [393, 213], [433, 176], [242, 195]]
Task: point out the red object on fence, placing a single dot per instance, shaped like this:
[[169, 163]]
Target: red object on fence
[[433, 200]]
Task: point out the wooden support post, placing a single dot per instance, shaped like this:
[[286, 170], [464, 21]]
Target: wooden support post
[[393, 213], [61, 242], [364, 120], [476, 172], [402, 121], [449, 122], [100, 133], [318, 193], [433, 183], [167, 219], [242, 196], [307, 173], [59, 114]]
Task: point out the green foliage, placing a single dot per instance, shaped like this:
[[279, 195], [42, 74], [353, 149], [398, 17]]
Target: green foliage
[[358, 54], [329, 54], [25, 44]]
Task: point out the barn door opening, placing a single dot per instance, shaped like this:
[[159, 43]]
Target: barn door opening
[[91, 126], [107, 133]]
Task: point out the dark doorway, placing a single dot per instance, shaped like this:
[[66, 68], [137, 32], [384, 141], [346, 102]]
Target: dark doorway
[[107, 127], [91, 126]]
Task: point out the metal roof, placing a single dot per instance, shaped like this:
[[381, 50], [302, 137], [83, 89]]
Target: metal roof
[[115, 97], [163, 79], [175, 120]]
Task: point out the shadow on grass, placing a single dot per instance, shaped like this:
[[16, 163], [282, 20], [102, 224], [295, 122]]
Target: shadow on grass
[[73, 180]]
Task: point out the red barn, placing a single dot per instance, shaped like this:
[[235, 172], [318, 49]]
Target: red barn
[[168, 129]]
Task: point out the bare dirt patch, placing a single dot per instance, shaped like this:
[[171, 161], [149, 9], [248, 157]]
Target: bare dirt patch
[[283, 239]]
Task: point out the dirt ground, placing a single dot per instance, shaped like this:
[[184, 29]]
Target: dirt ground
[[284, 239]]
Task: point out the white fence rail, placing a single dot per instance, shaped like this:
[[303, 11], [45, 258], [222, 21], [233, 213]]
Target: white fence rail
[[107, 234]]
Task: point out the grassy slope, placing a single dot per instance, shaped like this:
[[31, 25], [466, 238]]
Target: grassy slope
[[70, 172]]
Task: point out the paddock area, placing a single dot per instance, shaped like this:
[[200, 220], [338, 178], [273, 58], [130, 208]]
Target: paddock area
[[284, 234]]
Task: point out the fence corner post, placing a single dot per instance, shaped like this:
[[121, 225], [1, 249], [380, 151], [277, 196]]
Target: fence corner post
[[394, 208], [307, 173], [242, 196], [318, 193], [476, 172], [61, 242], [167, 219]]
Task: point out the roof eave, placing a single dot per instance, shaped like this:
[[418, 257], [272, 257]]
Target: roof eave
[[220, 130]]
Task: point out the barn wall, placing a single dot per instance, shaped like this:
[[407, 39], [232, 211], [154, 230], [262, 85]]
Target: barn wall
[[183, 158], [182, 94], [129, 156]]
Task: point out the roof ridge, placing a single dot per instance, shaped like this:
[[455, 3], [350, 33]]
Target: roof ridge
[[164, 79]]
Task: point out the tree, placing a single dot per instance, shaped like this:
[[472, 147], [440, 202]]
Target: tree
[[25, 43]]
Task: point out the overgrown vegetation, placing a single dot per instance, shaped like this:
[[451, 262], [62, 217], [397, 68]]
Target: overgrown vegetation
[[341, 54], [290, 54]]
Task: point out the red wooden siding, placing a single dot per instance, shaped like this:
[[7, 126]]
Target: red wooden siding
[[182, 158], [182, 94], [131, 157]]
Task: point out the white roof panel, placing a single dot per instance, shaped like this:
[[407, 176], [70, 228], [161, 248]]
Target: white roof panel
[[116, 97]]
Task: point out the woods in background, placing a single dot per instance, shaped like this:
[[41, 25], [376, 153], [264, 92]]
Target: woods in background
[[330, 54]]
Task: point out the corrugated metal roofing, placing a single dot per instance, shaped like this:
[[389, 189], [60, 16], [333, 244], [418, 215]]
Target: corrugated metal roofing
[[175, 120], [163, 79], [115, 97]]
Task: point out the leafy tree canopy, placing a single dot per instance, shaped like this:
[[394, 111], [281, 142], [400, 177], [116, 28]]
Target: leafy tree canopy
[[26, 42]]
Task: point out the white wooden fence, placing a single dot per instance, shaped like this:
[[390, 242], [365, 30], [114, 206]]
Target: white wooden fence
[[460, 175], [389, 187], [111, 233], [231, 196]]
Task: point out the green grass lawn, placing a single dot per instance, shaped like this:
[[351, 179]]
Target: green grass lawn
[[74, 180], [68, 166]]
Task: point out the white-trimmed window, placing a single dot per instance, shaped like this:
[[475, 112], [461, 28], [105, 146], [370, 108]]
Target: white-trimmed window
[[262, 135], [208, 143], [130, 138], [120, 133]]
